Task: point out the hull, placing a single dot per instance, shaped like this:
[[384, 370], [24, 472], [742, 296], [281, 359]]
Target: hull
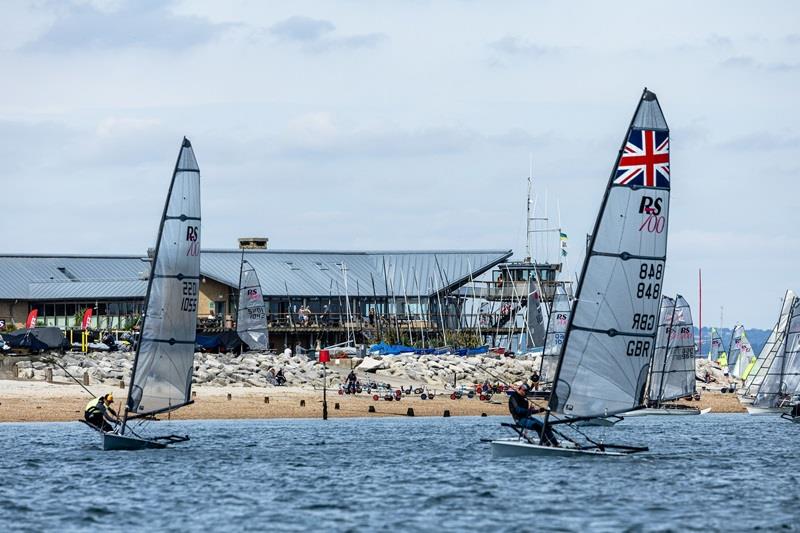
[[598, 422], [759, 411], [518, 448], [666, 411], [122, 442]]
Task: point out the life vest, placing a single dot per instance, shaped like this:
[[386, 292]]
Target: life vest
[[93, 406]]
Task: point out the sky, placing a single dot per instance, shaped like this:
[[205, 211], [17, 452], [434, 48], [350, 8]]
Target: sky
[[405, 125]]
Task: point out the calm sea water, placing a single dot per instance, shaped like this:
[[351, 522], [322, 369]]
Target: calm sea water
[[714, 472]]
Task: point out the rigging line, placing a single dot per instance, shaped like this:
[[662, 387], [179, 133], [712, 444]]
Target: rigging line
[[53, 361]]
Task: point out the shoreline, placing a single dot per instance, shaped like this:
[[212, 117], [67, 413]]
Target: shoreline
[[36, 401]]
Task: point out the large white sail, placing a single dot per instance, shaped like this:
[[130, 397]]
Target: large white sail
[[535, 319], [771, 347], [162, 372], [676, 377], [611, 335], [782, 380], [554, 340], [251, 323]]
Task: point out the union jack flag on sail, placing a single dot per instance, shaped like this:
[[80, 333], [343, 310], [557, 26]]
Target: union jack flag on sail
[[645, 159]]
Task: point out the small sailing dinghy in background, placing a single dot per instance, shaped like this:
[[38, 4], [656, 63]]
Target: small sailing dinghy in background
[[778, 392], [771, 348], [161, 379], [611, 333], [672, 370], [251, 321]]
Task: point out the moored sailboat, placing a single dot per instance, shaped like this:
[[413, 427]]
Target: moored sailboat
[[611, 333], [161, 378]]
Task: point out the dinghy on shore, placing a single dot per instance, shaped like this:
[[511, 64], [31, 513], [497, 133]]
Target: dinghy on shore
[[611, 333]]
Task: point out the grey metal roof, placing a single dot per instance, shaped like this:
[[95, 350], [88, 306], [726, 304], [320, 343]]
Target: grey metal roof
[[296, 272], [321, 273]]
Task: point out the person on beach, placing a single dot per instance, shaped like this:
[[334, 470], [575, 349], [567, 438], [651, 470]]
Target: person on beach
[[535, 378], [522, 412], [280, 379], [100, 414], [352, 381]]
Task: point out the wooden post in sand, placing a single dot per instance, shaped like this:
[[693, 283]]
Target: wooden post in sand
[[266, 399], [121, 384], [446, 413], [229, 396], [48, 375], [86, 378], [302, 403], [371, 409]]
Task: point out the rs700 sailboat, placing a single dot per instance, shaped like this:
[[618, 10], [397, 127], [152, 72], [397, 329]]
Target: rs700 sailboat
[[611, 332], [161, 380]]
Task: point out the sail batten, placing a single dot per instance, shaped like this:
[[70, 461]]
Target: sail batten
[[611, 333], [161, 379]]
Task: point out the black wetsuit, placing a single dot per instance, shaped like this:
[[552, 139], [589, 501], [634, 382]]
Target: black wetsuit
[[521, 412], [96, 416]]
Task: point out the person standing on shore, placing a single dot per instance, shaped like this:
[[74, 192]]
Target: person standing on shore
[[522, 413], [100, 414]]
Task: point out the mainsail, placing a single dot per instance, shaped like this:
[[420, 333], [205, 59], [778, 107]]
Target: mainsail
[[534, 318], [782, 380], [771, 347], [162, 372], [734, 349], [611, 334], [675, 377], [717, 352], [554, 340], [251, 323]]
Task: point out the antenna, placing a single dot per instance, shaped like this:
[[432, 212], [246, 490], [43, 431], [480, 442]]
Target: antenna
[[528, 211]]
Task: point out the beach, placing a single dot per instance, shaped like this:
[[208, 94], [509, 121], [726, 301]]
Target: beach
[[38, 401]]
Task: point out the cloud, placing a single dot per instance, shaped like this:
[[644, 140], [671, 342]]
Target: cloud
[[762, 141], [111, 25], [748, 62], [318, 35], [512, 48]]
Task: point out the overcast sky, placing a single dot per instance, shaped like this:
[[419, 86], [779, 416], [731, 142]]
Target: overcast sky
[[404, 125]]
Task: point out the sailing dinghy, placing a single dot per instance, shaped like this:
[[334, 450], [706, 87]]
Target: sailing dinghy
[[251, 321], [672, 370], [611, 333], [161, 379], [781, 385]]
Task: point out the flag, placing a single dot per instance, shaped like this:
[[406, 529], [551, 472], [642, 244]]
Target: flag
[[32, 316], [87, 318], [645, 160], [563, 238]]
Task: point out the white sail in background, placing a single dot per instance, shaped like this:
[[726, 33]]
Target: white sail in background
[[554, 340], [782, 380], [162, 372], [659, 361], [251, 323], [771, 347], [534, 315], [611, 335], [675, 378], [735, 348], [717, 349]]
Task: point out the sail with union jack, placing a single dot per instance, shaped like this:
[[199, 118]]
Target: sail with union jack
[[645, 159]]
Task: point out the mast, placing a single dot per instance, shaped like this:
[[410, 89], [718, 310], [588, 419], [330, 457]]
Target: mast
[[648, 190]]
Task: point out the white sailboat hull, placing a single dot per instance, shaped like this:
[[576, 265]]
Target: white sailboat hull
[[759, 411], [666, 411], [518, 448]]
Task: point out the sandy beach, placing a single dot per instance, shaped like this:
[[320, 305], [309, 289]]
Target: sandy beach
[[36, 401]]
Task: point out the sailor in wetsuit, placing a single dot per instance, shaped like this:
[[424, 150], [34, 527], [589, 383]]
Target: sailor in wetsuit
[[523, 412], [100, 414]]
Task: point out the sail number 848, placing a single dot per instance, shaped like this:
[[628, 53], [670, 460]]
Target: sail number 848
[[650, 288]]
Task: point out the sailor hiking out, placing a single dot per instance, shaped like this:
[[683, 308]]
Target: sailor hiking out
[[100, 414], [523, 412]]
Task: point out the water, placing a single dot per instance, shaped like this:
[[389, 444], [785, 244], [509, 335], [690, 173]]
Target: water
[[704, 473]]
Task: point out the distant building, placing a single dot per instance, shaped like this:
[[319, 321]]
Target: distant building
[[334, 288]]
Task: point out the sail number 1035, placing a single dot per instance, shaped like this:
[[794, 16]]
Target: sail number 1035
[[189, 302], [650, 287]]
